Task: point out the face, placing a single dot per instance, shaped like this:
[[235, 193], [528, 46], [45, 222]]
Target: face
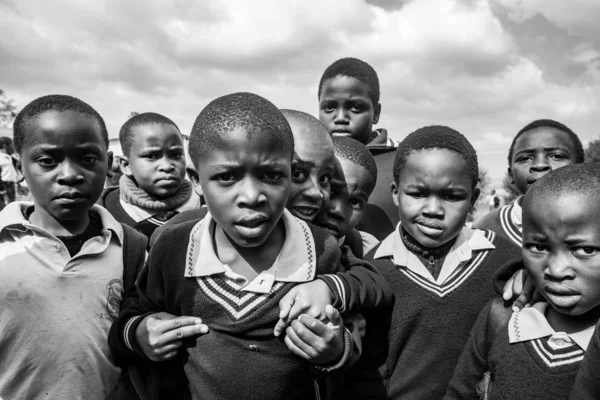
[[156, 160], [537, 152], [246, 185], [434, 195], [311, 176], [359, 184], [561, 251], [335, 215], [346, 108], [64, 161]]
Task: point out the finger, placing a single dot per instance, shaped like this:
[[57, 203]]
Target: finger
[[303, 339], [310, 324], [168, 348], [294, 349], [527, 293], [536, 297], [280, 327], [168, 356], [183, 332], [178, 322], [507, 293], [333, 315], [286, 303]]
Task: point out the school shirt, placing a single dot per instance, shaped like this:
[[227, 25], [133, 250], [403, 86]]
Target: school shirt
[[410, 350], [240, 357], [506, 221], [527, 359], [56, 310], [7, 170], [587, 382]]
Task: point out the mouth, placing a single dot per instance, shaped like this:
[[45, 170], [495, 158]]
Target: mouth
[[331, 228], [167, 180], [429, 228], [252, 227], [305, 212], [340, 133], [70, 198], [561, 296]]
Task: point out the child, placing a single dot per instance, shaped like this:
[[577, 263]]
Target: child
[[354, 179], [239, 264], [538, 148], [536, 352], [61, 259], [312, 165], [349, 106], [440, 271], [8, 174], [153, 187]]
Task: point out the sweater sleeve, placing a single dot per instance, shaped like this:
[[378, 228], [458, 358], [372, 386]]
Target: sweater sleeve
[[587, 383], [359, 286], [472, 365]]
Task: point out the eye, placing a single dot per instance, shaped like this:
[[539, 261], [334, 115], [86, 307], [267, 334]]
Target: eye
[[324, 180], [226, 177], [299, 176], [46, 161], [151, 157], [272, 177], [586, 251], [523, 159], [176, 155], [417, 195], [356, 204], [327, 107], [89, 160], [536, 248], [558, 157]]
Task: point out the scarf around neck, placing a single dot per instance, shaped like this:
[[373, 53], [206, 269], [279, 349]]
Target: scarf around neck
[[132, 194]]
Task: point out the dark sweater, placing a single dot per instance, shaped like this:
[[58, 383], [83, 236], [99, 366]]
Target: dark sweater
[[524, 370], [499, 221], [587, 383], [238, 358], [410, 350]]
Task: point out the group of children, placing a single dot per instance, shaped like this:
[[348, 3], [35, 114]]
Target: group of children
[[304, 258]]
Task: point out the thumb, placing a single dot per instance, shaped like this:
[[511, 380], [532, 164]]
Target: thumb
[[333, 315], [286, 303]]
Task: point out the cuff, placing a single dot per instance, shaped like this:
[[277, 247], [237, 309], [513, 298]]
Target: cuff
[[339, 288], [129, 334], [348, 351]]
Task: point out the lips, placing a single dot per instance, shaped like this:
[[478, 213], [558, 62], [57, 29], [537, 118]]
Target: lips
[[561, 296], [332, 228], [305, 211], [71, 196], [252, 222], [429, 228], [167, 179], [252, 227], [341, 134]]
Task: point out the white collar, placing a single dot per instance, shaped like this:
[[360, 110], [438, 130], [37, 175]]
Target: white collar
[[517, 212], [141, 214]]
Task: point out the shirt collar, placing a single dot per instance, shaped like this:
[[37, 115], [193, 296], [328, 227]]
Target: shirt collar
[[296, 261], [12, 215], [530, 323], [517, 212], [141, 214]]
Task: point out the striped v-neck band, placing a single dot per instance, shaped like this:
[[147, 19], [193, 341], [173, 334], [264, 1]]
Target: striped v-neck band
[[512, 230]]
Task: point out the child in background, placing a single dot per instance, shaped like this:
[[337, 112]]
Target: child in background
[[540, 147], [153, 187], [536, 352], [61, 259], [8, 174], [353, 182], [440, 271], [312, 166], [349, 106], [239, 264]]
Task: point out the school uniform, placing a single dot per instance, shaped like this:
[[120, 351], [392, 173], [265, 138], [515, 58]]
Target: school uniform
[[587, 382], [56, 309], [506, 221], [411, 349], [240, 357], [526, 358], [359, 242]]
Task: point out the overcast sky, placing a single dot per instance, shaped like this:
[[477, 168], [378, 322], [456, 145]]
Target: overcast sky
[[485, 68]]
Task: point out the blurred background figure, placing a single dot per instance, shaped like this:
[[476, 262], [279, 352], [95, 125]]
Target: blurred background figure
[[8, 172]]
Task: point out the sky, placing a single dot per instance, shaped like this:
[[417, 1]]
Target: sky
[[483, 67]]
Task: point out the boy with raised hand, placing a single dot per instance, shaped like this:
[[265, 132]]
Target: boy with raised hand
[[61, 259], [540, 147], [233, 267], [439, 269], [349, 106], [153, 187], [536, 352]]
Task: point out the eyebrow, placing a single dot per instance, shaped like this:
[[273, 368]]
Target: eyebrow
[[275, 165], [535, 237], [531, 149]]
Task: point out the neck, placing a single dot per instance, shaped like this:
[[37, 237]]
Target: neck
[[572, 323], [44, 220]]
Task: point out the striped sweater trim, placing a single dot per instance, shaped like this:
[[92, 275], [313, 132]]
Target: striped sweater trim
[[513, 232], [126, 331], [339, 288], [570, 355]]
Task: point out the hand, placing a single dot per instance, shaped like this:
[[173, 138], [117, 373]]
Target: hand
[[160, 335], [316, 341], [308, 298], [356, 321], [520, 286]]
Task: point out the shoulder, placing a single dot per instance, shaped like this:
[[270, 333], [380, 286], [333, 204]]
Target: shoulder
[[173, 237], [489, 220], [109, 195], [326, 245], [505, 248]]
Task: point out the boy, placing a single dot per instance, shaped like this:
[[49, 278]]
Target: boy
[[536, 352], [8, 174], [312, 165], [153, 187], [61, 259], [349, 106], [237, 266], [353, 182], [540, 147], [440, 271]]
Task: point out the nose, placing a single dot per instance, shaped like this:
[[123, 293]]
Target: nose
[[558, 267], [70, 173], [251, 193], [166, 165], [313, 192], [341, 116], [335, 210], [433, 207], [540, 163]]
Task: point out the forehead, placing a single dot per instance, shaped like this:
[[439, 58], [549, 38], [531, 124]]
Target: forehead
[[155, 135], [357, 176], [562, 210], [315, 148], [436, 168], [345, 87], [543, 137], [63, 128]]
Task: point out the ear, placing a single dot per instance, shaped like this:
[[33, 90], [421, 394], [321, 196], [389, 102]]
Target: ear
[[510, 175], [18, 165], [195, 179], [376, 113], [109, 160], [394, 189], [475, 196], [124, 165]]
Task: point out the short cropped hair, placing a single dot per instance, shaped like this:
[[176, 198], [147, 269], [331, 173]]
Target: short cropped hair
[[574, 178], [250, 112], [147, 118], [549, 123], [53, 102], [353, 68], [356, 152], [437, 137], [306, 121]]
